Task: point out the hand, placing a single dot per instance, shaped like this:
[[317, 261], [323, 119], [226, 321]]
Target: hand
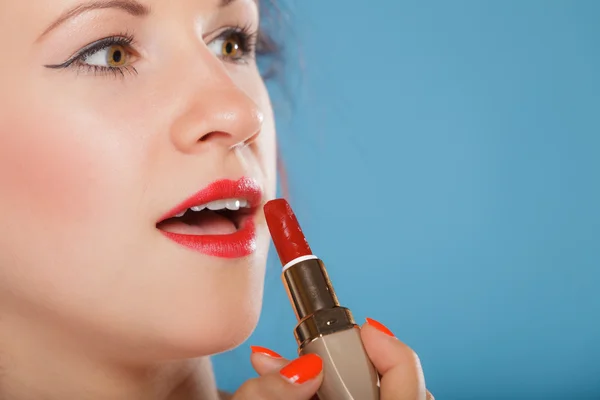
[[399, 366]]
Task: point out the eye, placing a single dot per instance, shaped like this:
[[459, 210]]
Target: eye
[[113, 55], [229, 46], [110, 56], [233, 45]]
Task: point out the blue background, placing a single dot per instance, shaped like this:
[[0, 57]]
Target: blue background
[[443, 158]]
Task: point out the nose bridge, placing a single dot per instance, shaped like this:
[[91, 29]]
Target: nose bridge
[[216, 110]]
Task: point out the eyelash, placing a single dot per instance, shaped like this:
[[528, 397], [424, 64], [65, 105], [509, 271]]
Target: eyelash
[[244, 35]]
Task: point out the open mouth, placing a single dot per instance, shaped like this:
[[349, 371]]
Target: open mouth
[[218, 220], [219, 217]]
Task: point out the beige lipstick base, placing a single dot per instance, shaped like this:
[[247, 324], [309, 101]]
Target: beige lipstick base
[[348, 373]]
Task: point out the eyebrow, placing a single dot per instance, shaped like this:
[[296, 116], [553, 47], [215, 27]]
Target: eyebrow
[[129, 6]]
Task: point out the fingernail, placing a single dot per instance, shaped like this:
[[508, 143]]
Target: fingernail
[[265, 351], [379, 326], [303, 369]]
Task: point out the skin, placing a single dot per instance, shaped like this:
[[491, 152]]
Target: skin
[[95, 303]]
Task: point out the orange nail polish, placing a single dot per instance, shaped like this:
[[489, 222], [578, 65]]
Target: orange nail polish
[[264, 350], [379, 326], [303, 369]]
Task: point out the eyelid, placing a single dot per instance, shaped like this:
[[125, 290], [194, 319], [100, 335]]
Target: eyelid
[[246, 30]]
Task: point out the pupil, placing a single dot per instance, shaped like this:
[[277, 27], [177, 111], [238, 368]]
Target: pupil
[[229, 47], [117, 56]]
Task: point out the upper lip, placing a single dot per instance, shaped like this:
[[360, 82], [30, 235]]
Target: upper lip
[[243, 188]]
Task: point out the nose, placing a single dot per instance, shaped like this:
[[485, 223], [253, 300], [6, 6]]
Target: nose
[[217, 116]]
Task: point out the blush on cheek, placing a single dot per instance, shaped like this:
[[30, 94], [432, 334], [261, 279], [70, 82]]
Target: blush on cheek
[[51, 169], [41, 174], [63, 185]]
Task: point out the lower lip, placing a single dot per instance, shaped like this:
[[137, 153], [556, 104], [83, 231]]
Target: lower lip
[[242, 243]]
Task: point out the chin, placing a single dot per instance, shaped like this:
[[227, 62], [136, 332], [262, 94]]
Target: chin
[[196, 307], [212, 331], [216, 318]]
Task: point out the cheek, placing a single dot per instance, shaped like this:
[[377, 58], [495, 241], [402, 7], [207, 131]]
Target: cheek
[[53, 168], [65, 184], [40, 172]]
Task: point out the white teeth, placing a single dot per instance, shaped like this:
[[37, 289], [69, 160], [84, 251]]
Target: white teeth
[[216, 205], [233, 204], [230, 204]]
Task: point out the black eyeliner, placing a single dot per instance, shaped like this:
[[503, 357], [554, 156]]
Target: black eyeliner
[[93, 48]]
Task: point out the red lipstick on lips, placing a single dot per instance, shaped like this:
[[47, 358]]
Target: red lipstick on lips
[[231, 234]]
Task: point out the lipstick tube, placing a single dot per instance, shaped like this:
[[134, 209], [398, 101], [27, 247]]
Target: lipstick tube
[[324, 327]]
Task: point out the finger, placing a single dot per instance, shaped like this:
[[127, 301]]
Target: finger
[[265, 361], [402, 375], [297, 380]]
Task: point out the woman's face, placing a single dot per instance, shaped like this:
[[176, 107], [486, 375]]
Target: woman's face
[[113, 116]]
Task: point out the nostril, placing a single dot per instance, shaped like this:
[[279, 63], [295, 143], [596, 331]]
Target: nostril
[[213, 135], [220, 135]]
